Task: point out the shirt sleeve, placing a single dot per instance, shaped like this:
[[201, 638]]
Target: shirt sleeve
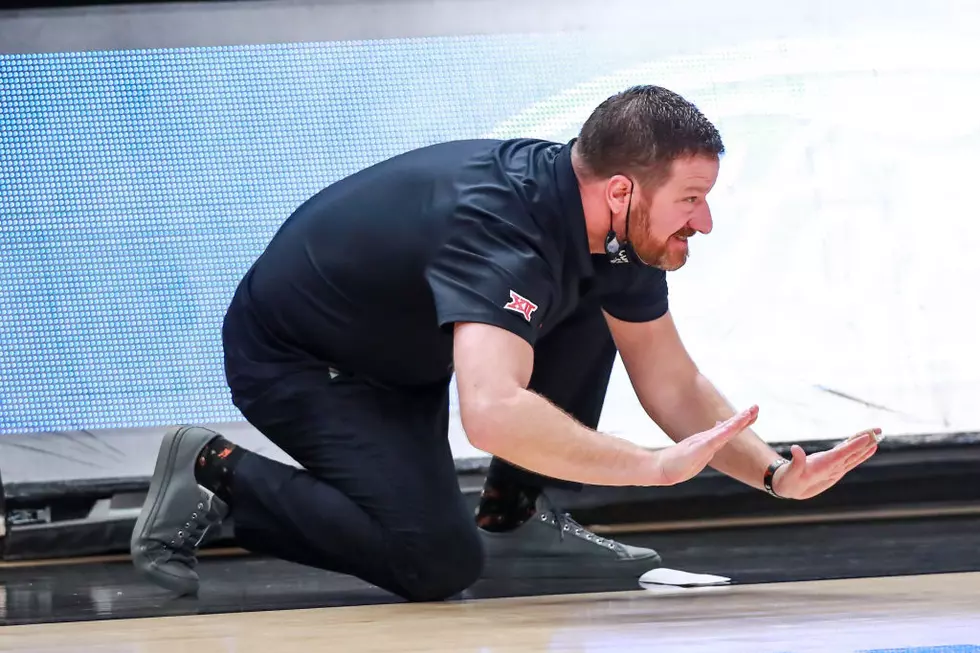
[[491, 268], [633, 293]]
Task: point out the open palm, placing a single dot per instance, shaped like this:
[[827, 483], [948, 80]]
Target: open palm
[[807, 476]]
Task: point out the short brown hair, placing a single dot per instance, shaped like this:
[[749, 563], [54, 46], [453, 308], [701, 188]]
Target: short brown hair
[[640, 131]]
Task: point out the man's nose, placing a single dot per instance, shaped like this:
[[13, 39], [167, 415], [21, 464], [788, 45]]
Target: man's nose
[[702, 221]]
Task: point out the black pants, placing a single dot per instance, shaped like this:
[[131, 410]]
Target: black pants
[[378, 496]]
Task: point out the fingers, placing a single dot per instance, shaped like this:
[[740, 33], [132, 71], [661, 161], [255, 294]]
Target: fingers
[[689, 457], [856, 445], [856, 459], [854, 449], [736, 423], [826, 468], [811, 476], [873, 433], [841, 472], [723, 432]]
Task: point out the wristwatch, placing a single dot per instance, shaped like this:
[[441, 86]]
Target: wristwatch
[[770, 473]]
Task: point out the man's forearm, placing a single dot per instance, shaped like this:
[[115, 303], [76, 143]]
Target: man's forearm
[[529, 431], [698, 407]]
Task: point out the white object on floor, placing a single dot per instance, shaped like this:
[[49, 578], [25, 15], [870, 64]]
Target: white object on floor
[[677, 578]]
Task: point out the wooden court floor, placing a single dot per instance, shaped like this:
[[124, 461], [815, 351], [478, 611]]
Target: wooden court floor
[[937, 613]]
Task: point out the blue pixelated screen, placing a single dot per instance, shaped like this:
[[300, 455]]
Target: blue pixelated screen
[[136, 187]]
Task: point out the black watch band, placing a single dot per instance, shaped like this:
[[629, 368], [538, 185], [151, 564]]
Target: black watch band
[[770, 473]]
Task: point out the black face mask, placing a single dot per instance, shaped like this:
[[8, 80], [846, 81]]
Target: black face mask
[[622, 253]]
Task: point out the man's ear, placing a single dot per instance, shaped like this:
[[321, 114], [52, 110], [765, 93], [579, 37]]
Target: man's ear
[[618, 189]]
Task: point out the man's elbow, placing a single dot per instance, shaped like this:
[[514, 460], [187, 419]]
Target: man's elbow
[[485, 422]]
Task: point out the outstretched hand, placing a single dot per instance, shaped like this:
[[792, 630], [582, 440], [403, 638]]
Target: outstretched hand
[[686, 459], [807, 476]]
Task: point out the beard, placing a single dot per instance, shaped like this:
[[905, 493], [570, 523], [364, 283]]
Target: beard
[[667, 254]]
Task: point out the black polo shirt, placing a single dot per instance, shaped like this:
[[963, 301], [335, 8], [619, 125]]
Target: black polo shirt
[[371, 273]]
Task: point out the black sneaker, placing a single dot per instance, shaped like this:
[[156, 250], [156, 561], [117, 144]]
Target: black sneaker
[[176, 515], [553, 545]]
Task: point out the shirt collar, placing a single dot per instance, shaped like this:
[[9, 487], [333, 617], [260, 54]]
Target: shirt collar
[[570, 198]]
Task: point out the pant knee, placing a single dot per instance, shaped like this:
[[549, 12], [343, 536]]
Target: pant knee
[[439, 565]]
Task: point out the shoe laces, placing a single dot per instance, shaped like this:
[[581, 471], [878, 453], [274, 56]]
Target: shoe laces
[[188, 538], [565, 524]]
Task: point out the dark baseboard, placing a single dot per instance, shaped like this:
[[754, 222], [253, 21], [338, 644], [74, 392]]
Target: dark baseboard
[[95, 517]]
